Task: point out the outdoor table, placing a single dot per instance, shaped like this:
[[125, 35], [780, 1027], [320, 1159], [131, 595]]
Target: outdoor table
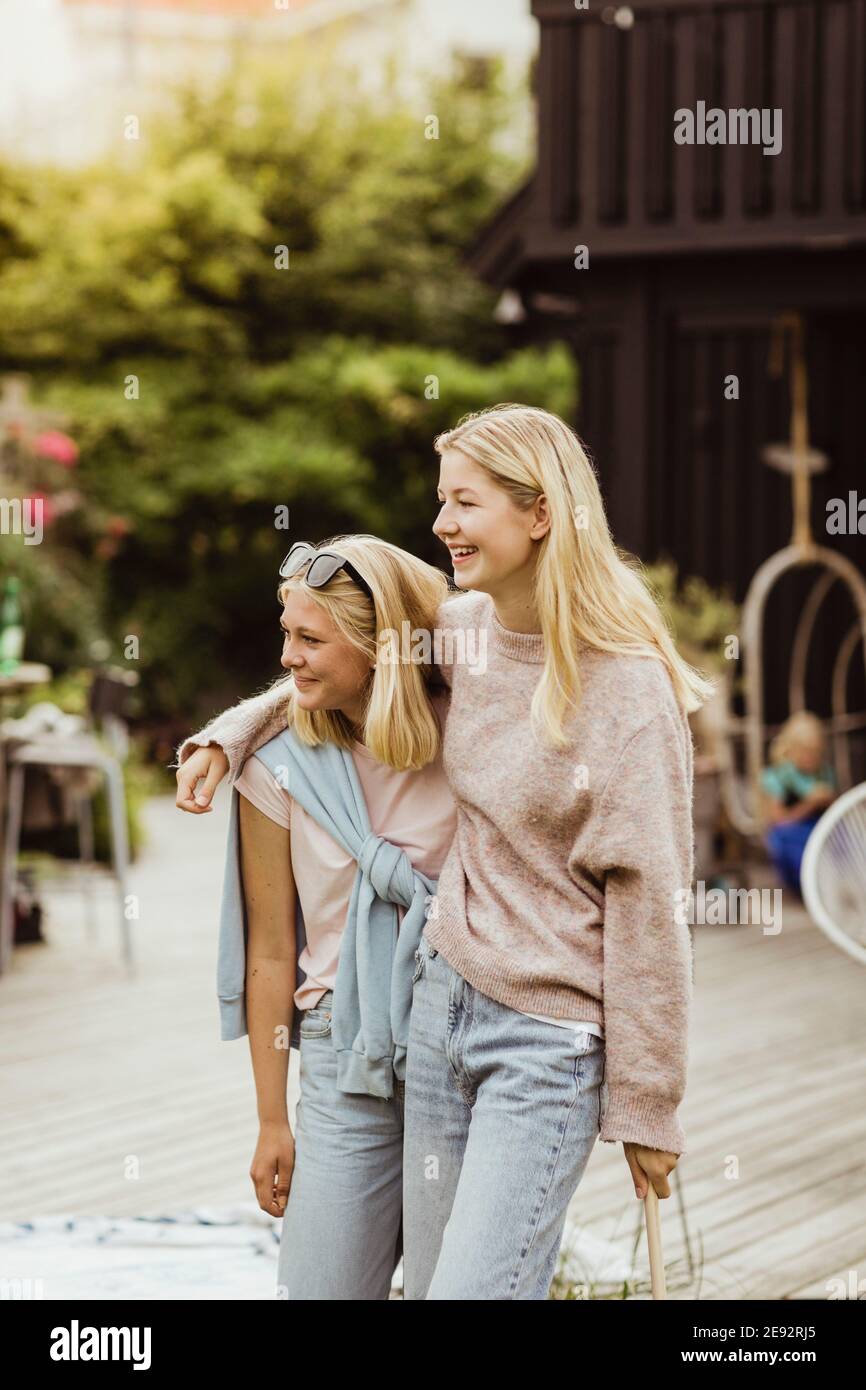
[[28, 674]]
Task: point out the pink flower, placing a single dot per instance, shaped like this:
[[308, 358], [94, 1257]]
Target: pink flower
[[53, 444], [118, 526]]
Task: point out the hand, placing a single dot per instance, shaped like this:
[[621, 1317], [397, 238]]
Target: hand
[[650, 1166], [211, 764], [272, 1167]]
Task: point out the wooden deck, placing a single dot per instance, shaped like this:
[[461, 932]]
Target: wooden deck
[[774, 1178], [120, 1099]]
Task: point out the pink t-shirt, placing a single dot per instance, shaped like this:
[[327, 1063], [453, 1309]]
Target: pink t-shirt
[[413, 810]]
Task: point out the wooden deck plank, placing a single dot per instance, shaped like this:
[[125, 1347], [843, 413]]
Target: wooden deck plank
[[777, 1076]]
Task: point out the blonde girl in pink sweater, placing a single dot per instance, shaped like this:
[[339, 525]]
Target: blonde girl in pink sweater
[[553, 983]]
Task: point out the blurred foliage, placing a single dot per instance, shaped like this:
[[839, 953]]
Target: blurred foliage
[[700, 617], [206, 388], [69, 692], [170, 251]]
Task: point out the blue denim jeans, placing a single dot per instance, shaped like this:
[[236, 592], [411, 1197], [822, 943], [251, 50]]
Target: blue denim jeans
[[342, 1232], [501, 1115]]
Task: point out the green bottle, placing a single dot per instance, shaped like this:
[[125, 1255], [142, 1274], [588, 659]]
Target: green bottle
[[11, 627]]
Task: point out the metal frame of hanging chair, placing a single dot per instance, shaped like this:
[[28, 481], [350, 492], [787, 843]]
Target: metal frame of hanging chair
[[741, 795], [841, 723]]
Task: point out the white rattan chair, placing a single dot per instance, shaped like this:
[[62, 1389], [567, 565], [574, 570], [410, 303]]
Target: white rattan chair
[[833, 872]]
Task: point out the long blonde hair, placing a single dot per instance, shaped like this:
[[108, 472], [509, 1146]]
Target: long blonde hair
[[586, 589], [400, 725]]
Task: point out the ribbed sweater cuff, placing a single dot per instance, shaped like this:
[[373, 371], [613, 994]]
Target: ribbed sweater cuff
[[191, 745], [635, 1118], [235, 754]]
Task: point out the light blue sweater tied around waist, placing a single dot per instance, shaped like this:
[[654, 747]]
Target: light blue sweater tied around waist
[[373, 987]]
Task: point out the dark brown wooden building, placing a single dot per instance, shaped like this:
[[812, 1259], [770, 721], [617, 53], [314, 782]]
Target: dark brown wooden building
[[693, 249]]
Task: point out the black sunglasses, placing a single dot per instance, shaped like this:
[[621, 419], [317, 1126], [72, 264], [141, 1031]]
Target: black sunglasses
[[325, 564]]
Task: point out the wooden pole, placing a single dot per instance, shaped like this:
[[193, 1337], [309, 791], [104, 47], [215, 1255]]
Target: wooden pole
[[654, 1243]]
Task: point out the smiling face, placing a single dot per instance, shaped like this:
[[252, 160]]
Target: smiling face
[[478, 515], [330, 673]]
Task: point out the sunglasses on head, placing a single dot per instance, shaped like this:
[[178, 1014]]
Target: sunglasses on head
[[325, 564]]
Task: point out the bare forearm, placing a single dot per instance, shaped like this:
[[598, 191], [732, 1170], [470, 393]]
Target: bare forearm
[[270, 902], [270, 989]]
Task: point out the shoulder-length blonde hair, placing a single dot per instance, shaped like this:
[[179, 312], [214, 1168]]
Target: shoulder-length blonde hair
[[586, 589], [400, 725]]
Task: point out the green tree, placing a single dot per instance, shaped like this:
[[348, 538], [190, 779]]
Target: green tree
[[207, 388]]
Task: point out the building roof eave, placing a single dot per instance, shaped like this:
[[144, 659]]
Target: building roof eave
[[498, 251]]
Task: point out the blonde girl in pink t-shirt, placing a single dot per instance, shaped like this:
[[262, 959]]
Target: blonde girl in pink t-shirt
[[337, 1180]]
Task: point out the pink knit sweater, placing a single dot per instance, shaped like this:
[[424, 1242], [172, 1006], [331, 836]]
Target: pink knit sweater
[[559, 892]]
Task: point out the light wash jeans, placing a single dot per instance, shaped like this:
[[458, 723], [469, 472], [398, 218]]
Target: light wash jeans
[[342, 1232], [501, 1115]]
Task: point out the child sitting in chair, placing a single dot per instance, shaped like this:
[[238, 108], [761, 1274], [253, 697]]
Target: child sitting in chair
[[798, 787]]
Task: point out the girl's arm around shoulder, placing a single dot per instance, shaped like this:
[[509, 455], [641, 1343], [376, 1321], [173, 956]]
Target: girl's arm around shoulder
[[244, 727]]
